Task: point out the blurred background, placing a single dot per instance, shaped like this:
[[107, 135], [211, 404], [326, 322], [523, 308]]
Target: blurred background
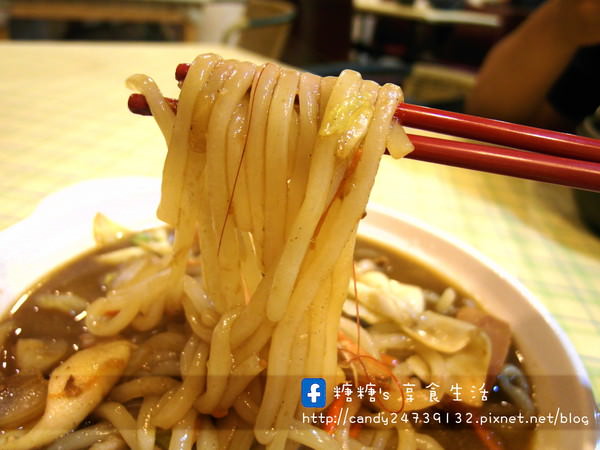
[[432, 47]]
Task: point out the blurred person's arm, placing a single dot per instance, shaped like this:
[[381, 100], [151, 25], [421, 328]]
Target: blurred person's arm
[[518, 73]]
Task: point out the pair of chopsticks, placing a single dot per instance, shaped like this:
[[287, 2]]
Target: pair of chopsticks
[[535, 154]]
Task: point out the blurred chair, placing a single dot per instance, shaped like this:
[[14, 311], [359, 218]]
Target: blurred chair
[[264, 29], [182, 13], [438, 85], [261, 26]]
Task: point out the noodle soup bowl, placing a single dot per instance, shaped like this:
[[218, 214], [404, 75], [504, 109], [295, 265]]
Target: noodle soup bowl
[[61, 228]]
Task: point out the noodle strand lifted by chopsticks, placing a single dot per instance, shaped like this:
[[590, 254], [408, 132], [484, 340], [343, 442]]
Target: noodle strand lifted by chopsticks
[[270, 170]]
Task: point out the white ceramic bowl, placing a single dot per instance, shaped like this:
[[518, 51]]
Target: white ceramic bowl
[[60, 228]]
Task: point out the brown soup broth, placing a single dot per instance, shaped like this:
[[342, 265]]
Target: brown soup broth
[[85, 275], [407, 269]]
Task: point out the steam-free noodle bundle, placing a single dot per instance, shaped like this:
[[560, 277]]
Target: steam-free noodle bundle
[[275, 168]]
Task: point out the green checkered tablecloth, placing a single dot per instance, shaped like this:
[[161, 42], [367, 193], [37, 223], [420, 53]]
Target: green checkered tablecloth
[[63, 120]]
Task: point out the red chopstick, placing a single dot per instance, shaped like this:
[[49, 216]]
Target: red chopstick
[[499, 132], [507, 161], [540, 155]]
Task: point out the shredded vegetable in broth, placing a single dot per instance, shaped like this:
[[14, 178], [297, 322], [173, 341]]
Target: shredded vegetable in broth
[[203, 335]]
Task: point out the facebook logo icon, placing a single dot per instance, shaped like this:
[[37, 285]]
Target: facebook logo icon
[[313, 392]]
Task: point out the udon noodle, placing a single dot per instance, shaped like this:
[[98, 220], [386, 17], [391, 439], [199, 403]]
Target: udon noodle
[[267, 176]]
